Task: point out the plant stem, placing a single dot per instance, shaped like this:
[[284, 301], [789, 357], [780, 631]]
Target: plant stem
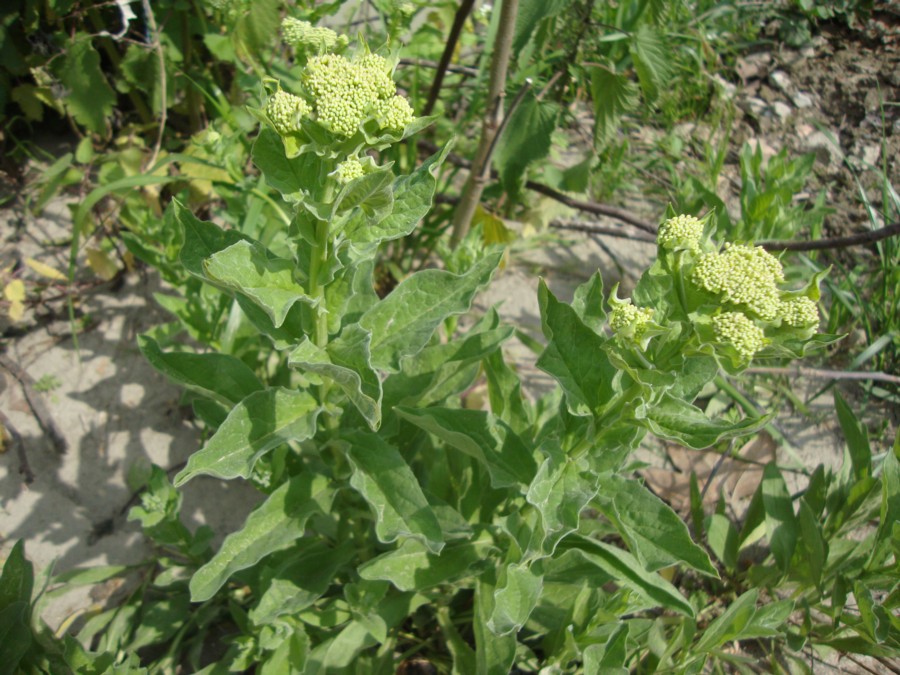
[[471, 195], [458, 21]]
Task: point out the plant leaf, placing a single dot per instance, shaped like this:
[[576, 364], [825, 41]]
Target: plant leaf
[[88, 98], [614, 95], [259, 423], [384, 479], [526, 139], [272, 526], [515, 598], [781, 523]]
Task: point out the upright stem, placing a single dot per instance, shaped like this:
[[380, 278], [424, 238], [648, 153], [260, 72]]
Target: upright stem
[[471, 195], [458, 21]]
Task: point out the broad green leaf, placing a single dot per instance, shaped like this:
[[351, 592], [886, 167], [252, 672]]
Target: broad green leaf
[[574, 356], [588, 303], [494, 655], [257, 26], [201, 239], [723, 540], [608, 659], [88, 98], [345, 361], [221, 377], [289, 657], [402, 323], [300, 579], [249, 268], [371, 193], [336, 655], [412, 201], [505, 392], [651, 60], [272, 526], [814, 547], [290, 176], [614, 95], [515, 598], [890, 503], [627, 571], [160, 620], [560, 491], [411, 567], [259, 423], [384, 479], [17, 579], [526, 139], [676, 420], [857, 439], [350, 295], [781, 523], [654, 532], [730, 624], [768, 621], [530, 14], [481, 436], [15, 635]]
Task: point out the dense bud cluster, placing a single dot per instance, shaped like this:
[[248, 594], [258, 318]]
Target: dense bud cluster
[[286, 111], [303, 35], [628, 320], [743, 275], [738, 330], [347, 92], [680, 232], [799, 312], [348, 170]]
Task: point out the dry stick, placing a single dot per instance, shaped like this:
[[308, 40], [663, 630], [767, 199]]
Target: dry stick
[[592, 207], [15, 439], [157, 44], [824, 374], [590, 228], [461, 15], [474, 186], [869, 237], [425, 63]]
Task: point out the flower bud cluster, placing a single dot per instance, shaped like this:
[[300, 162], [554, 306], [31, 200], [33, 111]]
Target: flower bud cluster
[[286, 111], [739, 330], [347, 92], [303, 35], [744, 276], [348, 170], [629, 321], [799, 312], [680, 232]]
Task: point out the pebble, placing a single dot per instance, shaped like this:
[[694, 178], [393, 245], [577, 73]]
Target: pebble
[[780, 81], [802, 100], [827, 151], [782, 110]]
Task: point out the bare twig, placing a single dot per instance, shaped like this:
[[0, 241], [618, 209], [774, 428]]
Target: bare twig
[[15, 440], [36, 403], [493, 116], [461, 15], [591, 228], [869, 237], [157, 45], [450, 68], [592, 207], [824, 374]]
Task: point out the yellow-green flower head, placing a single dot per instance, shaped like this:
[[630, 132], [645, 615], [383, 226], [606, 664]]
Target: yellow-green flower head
[[800, 312], [628, 320], [743, 275], [348, 92], [303, 35], [348, 170], [739, 330], [680, 232], [286, 111]]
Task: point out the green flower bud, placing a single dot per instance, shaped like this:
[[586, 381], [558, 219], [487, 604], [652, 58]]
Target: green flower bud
[[394, 113], [800, 312], [739, 330], [742, 275], [348, 170], [680, 232], [629, 321], [286, 111], [303, 35]]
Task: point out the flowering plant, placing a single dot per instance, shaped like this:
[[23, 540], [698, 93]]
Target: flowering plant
[[393, 516]]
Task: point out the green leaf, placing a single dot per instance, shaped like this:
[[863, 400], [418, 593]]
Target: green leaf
[[371, 193], [300, 579], [272, 526], [857, 439], [626, 571], [221, 377], [654, 532], [411, 567], [560, 491], [515, 598], [574, 356], [730, 624], [494, 655], [781, 523], [17, 580], [814, 547], [481, 436], [609, 658], [402, 323], [345, 360], [614, 95], [530, 14], [201, 239], [526, 139], [413, 195], [15, 635], [588, 303], [289, 657], [676, 420], [890, 504], [384, 479], [723, 540], [88, 98], [249, 268], [505, 391], [261, 422], [651, 60], [292, 177], [257, 27]]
